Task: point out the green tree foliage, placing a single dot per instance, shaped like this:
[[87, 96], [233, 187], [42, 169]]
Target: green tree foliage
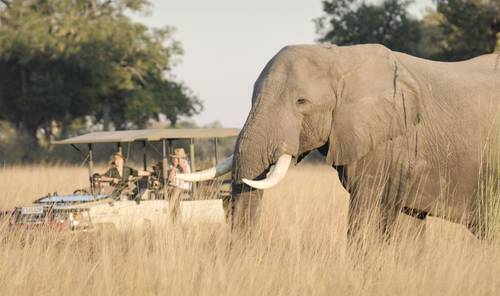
[[467, 28], [454, 30], [350, 22], [62, 60]]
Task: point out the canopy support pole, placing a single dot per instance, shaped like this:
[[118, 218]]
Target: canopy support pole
[[144, 157], [119, 147], [193, 165], [170, 147], [91, 169], [215, 152], [78, 149], [165, 167]]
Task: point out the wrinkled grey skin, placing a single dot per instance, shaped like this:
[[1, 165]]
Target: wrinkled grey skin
[[395, 127]]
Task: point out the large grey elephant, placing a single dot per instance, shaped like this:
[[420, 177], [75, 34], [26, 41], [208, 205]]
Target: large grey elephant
[[401, 131]]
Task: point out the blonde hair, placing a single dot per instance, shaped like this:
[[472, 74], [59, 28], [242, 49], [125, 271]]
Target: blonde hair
[[115, 155]]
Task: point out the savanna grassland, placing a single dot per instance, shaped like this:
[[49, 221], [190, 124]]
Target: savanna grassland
[[298, 248]]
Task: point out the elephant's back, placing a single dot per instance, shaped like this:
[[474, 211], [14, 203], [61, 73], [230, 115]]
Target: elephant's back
[[459, 101], [477, 77], [487, 62]]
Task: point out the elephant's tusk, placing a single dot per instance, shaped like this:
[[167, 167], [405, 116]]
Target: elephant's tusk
[[276, 174], [208, 174]]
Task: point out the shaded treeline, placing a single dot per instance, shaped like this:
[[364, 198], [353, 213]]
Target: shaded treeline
[[451, 30], [68, 66]]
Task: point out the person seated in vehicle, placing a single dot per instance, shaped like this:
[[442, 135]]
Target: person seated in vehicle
[[179, 165], [118, 174], [155, 180]]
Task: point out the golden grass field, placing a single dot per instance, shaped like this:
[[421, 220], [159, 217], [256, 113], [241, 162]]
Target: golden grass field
[[298, 248]]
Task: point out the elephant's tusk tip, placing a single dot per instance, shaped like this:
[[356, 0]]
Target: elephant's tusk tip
[[276, 174], [208, 174], [252, 183], [258, 184]]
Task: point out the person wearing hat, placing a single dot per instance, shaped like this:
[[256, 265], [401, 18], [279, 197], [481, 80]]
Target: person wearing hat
[[179, 165], [118, 174]]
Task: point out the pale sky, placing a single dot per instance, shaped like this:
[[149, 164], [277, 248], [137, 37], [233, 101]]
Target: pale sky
[[227, 43]]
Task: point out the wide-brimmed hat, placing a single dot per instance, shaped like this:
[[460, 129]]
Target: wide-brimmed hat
[[179, 153]]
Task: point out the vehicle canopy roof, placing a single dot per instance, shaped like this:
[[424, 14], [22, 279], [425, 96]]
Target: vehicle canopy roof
[[150, 135]]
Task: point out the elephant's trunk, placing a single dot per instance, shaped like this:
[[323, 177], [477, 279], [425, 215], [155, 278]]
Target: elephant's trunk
[[258, 147]]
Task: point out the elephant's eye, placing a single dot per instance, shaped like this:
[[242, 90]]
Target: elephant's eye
[[301, 101]]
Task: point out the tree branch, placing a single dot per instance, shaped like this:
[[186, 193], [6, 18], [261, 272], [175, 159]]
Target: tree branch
[[6, 3]]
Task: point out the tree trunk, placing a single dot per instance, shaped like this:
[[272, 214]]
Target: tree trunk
[[173, 122], [24, 82], [65, 123], [31, 146], [497, 47], [106, 115]]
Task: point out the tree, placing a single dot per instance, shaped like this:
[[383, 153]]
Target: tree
[[466, 28], [63, 60], [175, 99], [348, 22], [455, 30]]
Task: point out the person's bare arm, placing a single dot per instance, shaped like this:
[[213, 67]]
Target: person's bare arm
[[184, 167], [171, 175], [143, 173], [109, 180]]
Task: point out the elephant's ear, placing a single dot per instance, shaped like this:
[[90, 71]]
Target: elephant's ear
[[377, 102]]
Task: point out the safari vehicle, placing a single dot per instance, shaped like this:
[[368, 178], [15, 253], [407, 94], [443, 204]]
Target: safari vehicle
[[143, 200]]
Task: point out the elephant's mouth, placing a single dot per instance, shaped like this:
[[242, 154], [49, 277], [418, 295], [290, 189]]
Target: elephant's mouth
[[275, 174]]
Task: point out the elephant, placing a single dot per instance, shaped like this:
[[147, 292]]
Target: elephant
[[401, 131]]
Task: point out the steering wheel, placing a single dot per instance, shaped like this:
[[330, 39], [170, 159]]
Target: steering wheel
[[81, 192], [133, 179], [154, 182], [96, 180]]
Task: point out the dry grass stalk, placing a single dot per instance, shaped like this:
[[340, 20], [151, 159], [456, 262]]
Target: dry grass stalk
[[299, 248]]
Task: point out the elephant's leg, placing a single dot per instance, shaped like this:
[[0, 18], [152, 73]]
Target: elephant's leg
[[245, 210], [365, 213], [356, 219], [366, 218], [388, 217], [377, 193]]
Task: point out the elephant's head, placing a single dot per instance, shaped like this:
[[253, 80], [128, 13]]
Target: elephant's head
[[342, 100]]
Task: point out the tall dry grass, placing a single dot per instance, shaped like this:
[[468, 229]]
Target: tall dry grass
[[298, 248]]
